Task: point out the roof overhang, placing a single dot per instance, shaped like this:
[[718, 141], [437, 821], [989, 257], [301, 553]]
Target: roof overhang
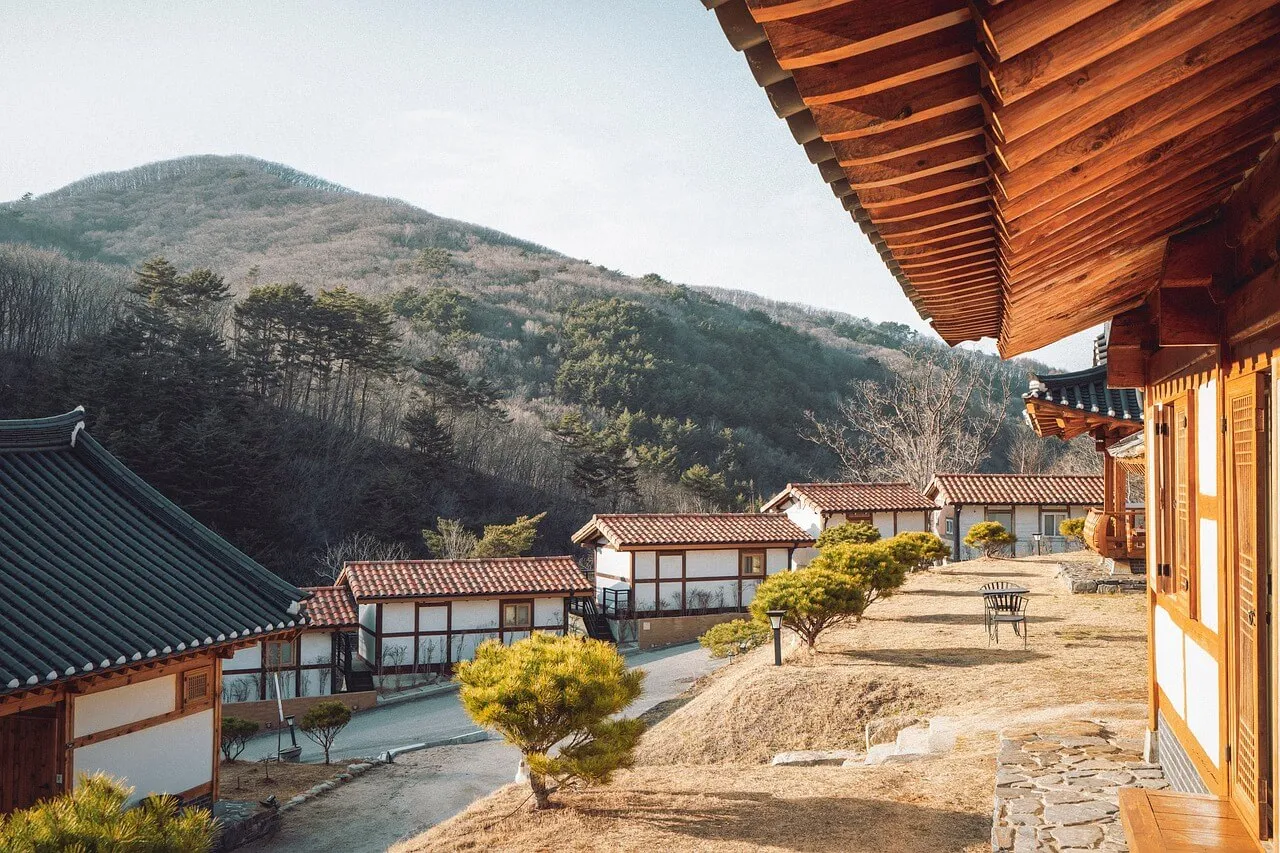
[[1054, 420]]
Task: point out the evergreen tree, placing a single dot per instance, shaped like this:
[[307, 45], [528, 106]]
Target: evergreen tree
[[603, 465]]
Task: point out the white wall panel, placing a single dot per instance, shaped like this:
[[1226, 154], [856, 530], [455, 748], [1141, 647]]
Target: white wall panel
[[669, 595], [883, 522], [806, 518], [478, 613], [467, 644], [434, 617], [432, 649], [670, 565], [1207, 437], [1208, 573], [1169, 654], [398, 617], [247, 658], [611, 562], [240, 688], [317, 647], [167, 759], [775, 560], [703, 594], [95, 712], [912, 522], [646, 565], [803, 557], [548, 612], [710, 564], [369, 616], [644, 597], [749, 591], [1202, 698]]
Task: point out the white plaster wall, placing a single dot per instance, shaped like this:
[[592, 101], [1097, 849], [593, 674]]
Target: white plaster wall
[[365, 639], [718, 594], [611, 562], [644, 597], [229, 683], [311, 683], [749, 591], [1207, 438], [369, 615], [710, 564], [548, 612], [512, 636], [397, 616], [646, 565], [670, 565], [1202, 698], [836, 519], [1169, 652], [389, 647], [434, 617], [288, 684], [477, 613], [775, 560], [166, 759], [248, 658], [1208, 573], [1026, 520], [317, 647], [669, 594], [806, 518], [802, 557], [96, 712], [432, 649], [468, 643], [913, 522], [883, 521]]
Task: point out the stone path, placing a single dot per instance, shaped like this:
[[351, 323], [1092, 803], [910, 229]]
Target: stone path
[[1056, 789]]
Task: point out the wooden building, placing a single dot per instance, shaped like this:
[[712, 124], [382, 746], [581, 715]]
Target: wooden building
[[1029, 169], [119, 611], [423, 616], [891, 508]]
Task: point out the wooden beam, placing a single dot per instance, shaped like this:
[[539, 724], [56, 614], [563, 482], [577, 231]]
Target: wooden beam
[[1187, 317], [973, 211], [977, 237], [856, 27], [1177, 44], [1134, 329], [900, 106], [1251, 218], [1010, 28], [1111, 29], [923, 164], [943, 183], [913, 61], [1193, 258], [1254, 308], [909, 210], [964, 229], [1126, 368], [910, 139]]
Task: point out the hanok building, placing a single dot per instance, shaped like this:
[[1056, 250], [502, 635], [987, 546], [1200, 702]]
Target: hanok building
[[1029, 169], [119, 612], [1068, 405], [679, 573], [1030, 506], [423, 616], [891, 508]]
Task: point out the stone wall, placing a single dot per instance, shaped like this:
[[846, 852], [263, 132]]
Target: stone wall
[[1177, 765], [267, 715], [669, 630], [240, 822]]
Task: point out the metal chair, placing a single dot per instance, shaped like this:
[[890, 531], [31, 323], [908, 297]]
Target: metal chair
[[1008, 609], [986, 602]]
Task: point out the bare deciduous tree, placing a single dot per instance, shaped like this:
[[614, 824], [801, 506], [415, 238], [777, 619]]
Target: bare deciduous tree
[[1029, 453], [940, 413], [356, 546], [1080, 457]]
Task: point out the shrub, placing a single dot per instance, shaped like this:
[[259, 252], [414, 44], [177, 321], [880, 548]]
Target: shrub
[[876, 568], [235, 736], [93, 819], [856, 532], [814, 599], [919, 550], [735, 638], [990, 537], [323, 721], [546, 690], [1072, 529]]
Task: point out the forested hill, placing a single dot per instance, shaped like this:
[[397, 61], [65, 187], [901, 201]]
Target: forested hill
[[315, 364]]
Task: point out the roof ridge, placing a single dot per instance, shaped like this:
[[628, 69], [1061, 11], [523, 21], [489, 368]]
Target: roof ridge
[[1042, 476], [442, 560]]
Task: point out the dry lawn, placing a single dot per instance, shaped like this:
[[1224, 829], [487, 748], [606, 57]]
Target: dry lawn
[[702, 780], [247, 780]]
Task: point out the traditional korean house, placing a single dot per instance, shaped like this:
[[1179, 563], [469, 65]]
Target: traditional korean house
[[119, 612], [1068, 405], [891, 508], [1029, 169], [679, 573], [423, 616]]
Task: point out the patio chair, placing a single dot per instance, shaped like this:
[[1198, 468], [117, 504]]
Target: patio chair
[[1008, 609], [986, 599]]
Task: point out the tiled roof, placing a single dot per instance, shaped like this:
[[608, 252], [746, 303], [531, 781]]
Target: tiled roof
[[1048, 489], [723, 528], [854, 497], [98, 570], [330, 607], [1087, 390], [457, 578]]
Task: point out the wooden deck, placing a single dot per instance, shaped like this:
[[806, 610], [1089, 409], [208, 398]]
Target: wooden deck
[[1179, 823]]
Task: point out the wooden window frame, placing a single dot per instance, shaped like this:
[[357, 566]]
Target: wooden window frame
[[1063, 511], [504, 625], [184, 701], [270, 665], [764, 563]]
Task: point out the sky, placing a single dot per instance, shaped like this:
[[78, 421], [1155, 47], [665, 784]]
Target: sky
[[629, 134]]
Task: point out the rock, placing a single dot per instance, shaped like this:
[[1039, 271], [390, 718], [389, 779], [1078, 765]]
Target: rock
[[886, 729], [1002, 838], [1077, 836], [813, 757], [1074, 813], [1060, 798]]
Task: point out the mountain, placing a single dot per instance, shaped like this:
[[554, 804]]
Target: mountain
[[704, 389]]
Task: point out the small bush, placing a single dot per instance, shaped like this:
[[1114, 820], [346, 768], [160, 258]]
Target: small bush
[[236, 733], [851, 532], [814, 599], [93, 819], [1072, 529], [990, 537], [735, 638], [919, 550], [323, 721], [876, 568]]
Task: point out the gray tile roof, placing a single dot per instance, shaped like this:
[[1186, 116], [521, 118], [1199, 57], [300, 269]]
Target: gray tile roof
[[1087, 390], [98, 570]]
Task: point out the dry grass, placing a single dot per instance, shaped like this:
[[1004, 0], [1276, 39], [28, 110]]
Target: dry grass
[[701, 782], [247, 780]]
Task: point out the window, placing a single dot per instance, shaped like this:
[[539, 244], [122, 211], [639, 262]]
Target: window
[[951, 526], [1049, 521], [1001, 514], [517, 615], [278, 654], [753, 562], [196, 685]]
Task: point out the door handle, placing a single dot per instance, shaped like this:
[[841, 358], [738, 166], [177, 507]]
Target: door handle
[[1250, 616]]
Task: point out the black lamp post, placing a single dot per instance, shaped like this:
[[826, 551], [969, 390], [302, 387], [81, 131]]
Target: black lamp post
[[1036, 538], [775, 620], [293, 738]]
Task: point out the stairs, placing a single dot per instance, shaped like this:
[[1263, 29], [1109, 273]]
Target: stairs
[[592, 619], [359, 680]]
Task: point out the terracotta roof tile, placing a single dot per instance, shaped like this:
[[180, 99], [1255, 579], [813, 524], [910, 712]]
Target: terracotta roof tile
[[725, 528], [330, 607], [457, 578], [854, 497], [1056, 490]]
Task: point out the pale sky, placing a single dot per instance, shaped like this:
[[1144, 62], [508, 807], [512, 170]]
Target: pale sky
[[630, 134]]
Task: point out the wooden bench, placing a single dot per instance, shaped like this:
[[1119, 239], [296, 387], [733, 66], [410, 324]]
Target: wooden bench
[[1167, 822]]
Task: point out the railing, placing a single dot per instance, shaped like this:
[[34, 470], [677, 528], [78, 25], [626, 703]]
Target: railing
[[616, 601], [1115, 534]]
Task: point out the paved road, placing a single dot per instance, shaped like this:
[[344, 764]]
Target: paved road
[[670, 671], [423, 788]]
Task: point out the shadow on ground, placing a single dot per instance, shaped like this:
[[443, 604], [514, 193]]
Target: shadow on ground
[[984, 656]]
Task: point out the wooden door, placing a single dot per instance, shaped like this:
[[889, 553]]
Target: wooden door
[[1245, 517], [28, 758]]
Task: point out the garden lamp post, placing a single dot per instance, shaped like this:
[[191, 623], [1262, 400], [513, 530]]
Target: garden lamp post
[[293, 738], [1035, 537], [775, 620]]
